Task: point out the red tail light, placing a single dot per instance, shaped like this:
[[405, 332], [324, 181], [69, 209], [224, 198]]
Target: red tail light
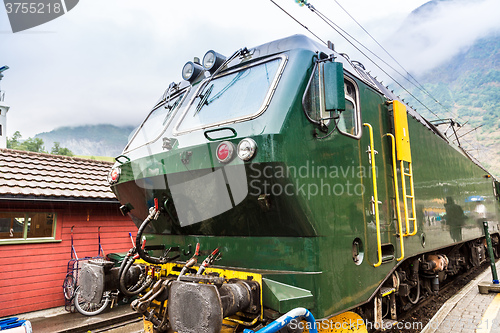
[[225, 151]]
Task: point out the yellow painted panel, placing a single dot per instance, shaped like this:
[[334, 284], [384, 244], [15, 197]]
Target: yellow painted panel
[[401, 131], [148, 326], [168, 269], [347, 322]]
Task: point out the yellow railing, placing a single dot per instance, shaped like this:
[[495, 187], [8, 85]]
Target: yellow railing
[[396, 194], [375, 195], [409, 174]]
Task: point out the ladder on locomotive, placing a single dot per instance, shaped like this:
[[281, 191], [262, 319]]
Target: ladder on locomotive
[[401, 152]]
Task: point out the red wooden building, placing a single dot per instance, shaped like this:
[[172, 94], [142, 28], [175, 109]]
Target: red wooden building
[[41, 197]]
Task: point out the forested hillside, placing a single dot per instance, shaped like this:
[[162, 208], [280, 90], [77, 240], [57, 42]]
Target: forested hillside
[[468, 90], [89, 140]]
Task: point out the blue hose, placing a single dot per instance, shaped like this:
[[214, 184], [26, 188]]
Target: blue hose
[[285, 319]]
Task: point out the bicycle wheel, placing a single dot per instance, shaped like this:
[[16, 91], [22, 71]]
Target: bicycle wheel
[[90, 309], [69, 287]]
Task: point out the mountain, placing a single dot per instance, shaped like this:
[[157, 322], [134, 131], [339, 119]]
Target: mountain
[[89, 140], [468, 89], [464, 87]]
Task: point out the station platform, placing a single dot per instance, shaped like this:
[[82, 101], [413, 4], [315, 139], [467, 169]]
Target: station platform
[[469, 311], [57, 320]]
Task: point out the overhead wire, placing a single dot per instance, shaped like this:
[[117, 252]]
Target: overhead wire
[[349, 37], [336, 28], [300, 23], [416, 84]]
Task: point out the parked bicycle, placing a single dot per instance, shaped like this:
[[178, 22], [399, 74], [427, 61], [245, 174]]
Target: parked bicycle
[[92, 293]]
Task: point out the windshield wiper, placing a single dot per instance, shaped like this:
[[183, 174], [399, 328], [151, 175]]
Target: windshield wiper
[[171, 108], [204, 99], [240, 52]]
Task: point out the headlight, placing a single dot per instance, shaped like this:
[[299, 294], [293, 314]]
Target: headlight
[[246, 149], [191, 71], [114, 175], [212, 60]]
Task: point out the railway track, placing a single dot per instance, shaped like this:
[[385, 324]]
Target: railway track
[[129, 326], [427, 308]]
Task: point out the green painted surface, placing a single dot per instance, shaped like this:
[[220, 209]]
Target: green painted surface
[[305, 239], [283, 297]]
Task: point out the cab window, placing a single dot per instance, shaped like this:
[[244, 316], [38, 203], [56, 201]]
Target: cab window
[[347, 121]]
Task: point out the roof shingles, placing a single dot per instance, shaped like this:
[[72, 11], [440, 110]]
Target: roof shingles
[[28, 174]]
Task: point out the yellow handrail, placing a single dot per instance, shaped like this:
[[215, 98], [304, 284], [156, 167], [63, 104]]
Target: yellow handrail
[[396, 193], [413, 202], [405, 198], [411, 197], [375, 195]]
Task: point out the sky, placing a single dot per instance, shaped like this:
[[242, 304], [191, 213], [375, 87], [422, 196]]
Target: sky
[[108, 61]]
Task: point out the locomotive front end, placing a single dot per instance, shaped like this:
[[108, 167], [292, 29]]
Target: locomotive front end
[[222, 251]]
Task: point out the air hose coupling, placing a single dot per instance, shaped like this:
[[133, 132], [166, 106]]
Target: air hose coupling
[[286, 319]]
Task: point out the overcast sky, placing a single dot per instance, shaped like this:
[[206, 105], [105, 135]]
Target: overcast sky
[[108, 61]]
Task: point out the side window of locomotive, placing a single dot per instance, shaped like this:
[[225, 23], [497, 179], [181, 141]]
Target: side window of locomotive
[[312, 101], [348, 121]]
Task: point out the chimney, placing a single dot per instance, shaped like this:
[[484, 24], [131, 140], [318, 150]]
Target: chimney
[[4, 108]]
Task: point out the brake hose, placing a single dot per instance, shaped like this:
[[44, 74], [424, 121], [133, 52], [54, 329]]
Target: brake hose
[[135, 290], [154, 212]]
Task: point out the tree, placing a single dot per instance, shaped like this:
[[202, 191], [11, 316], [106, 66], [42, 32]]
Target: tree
[[34, 144], [13, 142], [58, 150]]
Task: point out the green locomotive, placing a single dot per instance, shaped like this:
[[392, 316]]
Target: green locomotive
[[306, 184]]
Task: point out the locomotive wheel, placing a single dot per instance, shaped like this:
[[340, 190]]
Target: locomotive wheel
[[69, 287], [90, 309]]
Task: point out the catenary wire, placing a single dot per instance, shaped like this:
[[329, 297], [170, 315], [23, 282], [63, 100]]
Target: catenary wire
[[333, 26], [417, 83], [336, 28], [357, 48], [300, 23]]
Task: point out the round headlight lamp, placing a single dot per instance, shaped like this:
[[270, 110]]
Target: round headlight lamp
[[225, 151], [246, 149], [114, 175], [212, 60], [191, 71]]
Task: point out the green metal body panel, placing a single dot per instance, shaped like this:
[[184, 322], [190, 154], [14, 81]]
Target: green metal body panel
[[282, 297], [305, 240]]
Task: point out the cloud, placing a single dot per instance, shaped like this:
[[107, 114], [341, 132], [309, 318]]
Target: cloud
[[442, 29], [109, 61]]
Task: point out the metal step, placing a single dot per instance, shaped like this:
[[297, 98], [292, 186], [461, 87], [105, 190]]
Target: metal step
[[386, 291]]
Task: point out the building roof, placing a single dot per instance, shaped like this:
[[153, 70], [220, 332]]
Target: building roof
[[36, 176]]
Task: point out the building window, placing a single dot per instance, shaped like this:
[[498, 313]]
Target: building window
[[0, 130], [27, 227]]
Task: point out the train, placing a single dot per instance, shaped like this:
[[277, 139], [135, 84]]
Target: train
[[284, 189]]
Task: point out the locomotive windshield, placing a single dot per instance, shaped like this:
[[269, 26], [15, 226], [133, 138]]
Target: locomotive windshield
[[232, 97], [159, 118]]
